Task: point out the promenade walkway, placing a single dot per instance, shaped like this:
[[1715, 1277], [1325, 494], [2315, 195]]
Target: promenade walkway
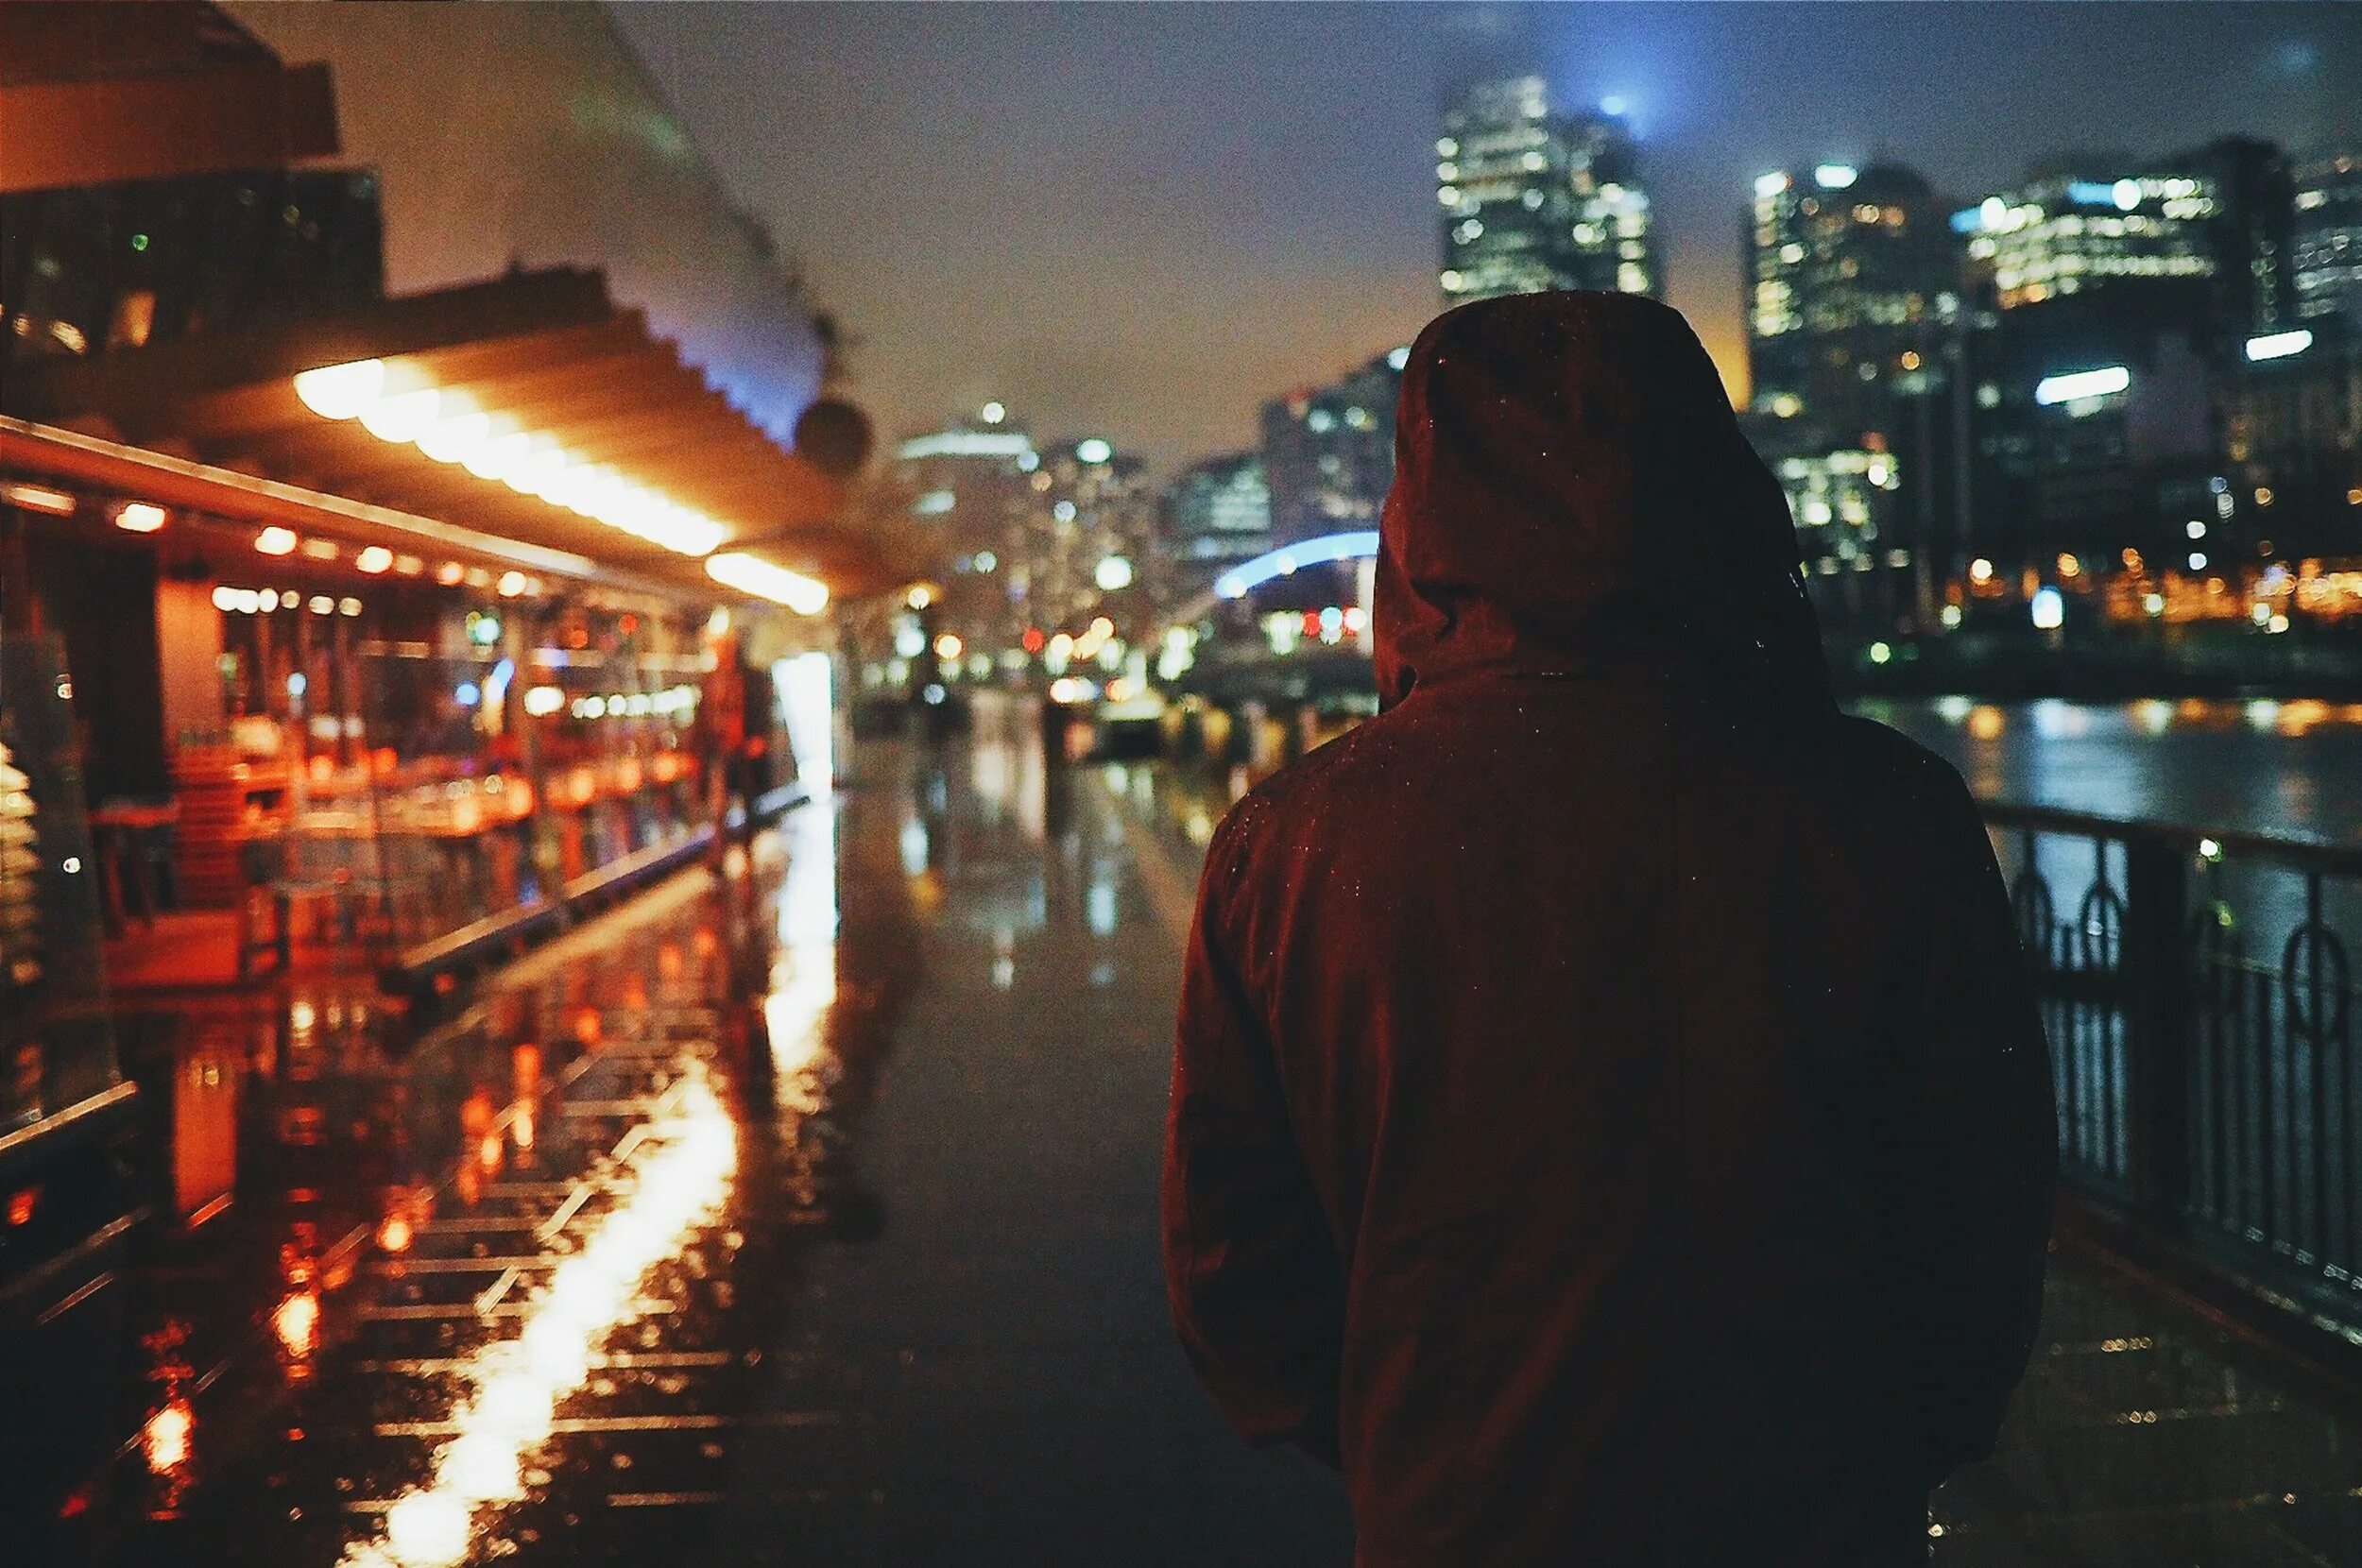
[[922, 1324]]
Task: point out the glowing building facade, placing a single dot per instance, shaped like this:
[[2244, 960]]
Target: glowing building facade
[[1328, 452], [2326, 240], [1534, 200], [1854, 338], [1216, 514], [1846, 269], [2219, 216], [969, 492], [2058, 236]]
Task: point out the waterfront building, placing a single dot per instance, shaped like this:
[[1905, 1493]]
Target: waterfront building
[[2326, 237], [2095, 431], [1844, 491], [1094, 528], [1846, 269], [1533, 200], [535, 137], [1328, 452], [2220, 213], [2292, 444], [394, 611], [968, 493], [2061, 235], [1216, 513], [1854, 338]]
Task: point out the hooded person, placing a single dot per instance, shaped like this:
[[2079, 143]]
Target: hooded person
[[1610, 1119]]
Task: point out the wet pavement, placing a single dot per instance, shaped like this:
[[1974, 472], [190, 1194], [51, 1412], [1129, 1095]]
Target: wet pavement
[[810, 1218]]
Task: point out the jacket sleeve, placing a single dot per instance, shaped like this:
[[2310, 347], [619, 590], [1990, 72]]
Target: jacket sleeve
[[1251, 1266], [1987, 1148]]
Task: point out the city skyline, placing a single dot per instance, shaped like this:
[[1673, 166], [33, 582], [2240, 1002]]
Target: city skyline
[[1015, 181]]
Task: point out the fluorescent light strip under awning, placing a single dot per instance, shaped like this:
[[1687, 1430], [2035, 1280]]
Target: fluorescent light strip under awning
[[71, 456], [446, 426], [755, 575]]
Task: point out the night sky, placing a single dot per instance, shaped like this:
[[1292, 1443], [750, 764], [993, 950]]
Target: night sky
[[1141, 221]]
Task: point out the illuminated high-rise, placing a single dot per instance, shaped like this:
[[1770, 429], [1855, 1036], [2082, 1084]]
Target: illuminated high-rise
[[2327, 238], [1534, 200], [1216, 514], [2216, 219], [1845, 269], [1854, 336], [1328, 452], [970, 490]]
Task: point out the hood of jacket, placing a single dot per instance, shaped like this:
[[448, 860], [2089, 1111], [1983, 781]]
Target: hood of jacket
[[1571, 492]]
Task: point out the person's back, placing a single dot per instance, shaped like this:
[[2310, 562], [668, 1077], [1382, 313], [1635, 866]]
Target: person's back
[[1608, 1113]]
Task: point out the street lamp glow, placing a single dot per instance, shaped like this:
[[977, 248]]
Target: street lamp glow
[[764, 580], [2278, 345], [2077, 385], [1771, 185], [1114, 573], [1094, 449], [2048, 610], [1835, 177], [276, 541]]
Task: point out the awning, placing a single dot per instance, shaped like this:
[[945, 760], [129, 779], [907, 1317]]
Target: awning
[[94, 93], [624, 448]]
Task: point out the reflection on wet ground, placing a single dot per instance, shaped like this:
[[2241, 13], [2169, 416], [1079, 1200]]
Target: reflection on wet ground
[[811, 1217]]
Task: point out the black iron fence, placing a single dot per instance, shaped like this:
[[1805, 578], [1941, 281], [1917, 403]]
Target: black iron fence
[[2202, 1007]]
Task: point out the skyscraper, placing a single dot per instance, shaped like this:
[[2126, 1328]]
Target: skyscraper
[[1328, 452], [971, 495], [2327, 242], [1844, 267], [2061, 234], [1085, 536], [1535, 200], [2217, 219], [1216, 514], [1853, 318]]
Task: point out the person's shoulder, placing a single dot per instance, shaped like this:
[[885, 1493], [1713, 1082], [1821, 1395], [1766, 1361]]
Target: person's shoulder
[[1275, 809], [1913, 781]]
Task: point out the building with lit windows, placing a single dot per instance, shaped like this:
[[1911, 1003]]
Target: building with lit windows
[[2058, 236], [968, 493], [1854, 334], [2220, 213], [1216, 513], [2097, 422], [2292, 439], [1845, 269], [1844, 501], [1328, 452], [1017, 541], [1534, 200], [2326, 237], [1083, 542]]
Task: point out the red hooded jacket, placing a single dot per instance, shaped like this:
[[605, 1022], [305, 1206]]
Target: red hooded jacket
[[1609, 1118]]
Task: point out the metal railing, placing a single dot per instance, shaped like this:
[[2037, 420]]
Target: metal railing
[[2200, 1003]]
